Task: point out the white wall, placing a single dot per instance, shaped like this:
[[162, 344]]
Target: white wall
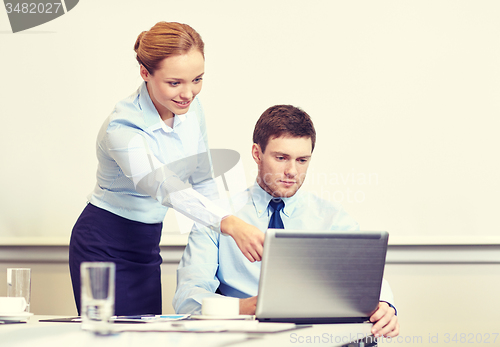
[[447, 301], [404, 95]]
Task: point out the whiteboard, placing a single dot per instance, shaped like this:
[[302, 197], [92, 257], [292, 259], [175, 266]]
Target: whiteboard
[[405, 97]]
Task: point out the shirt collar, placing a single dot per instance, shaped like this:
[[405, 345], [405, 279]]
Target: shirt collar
[[151, 116], [261, 201]]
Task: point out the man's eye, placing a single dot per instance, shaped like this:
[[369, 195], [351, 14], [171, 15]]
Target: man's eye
[[280, 158]]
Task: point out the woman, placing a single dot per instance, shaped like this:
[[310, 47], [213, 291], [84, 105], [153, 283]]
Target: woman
[[148, 148]]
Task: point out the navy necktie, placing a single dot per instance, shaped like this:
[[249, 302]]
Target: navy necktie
[[275, 222]]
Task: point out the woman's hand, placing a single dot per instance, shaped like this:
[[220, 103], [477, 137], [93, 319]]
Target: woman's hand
[[249, 239]]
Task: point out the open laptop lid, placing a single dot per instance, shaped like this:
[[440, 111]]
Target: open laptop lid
[[321, 276]]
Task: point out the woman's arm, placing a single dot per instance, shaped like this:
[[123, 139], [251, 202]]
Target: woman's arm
[[249, 239]]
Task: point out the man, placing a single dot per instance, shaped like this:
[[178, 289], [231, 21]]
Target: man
[[284, 139]]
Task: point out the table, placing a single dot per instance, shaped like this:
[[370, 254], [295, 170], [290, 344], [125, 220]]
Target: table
[[45, 334]]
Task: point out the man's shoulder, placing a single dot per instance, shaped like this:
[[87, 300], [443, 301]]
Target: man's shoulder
[[314, 201], [327, 213]]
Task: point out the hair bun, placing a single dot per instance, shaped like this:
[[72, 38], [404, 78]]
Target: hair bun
[[164, 40], [138, 41]]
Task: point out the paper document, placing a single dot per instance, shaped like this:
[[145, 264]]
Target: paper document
[[149, 318], [244, 326]]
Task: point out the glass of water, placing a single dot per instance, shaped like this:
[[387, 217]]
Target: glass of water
[[19, 284], [97, 296]]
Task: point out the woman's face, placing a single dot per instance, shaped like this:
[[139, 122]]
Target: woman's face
[[173, 86]]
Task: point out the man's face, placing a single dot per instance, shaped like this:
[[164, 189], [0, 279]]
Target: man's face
[[283, 166]]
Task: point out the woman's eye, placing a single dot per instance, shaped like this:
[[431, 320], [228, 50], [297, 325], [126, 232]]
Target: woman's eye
[[173, 84], [198, 80]]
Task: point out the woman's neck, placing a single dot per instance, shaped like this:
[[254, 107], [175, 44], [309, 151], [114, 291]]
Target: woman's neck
[[169, 121]]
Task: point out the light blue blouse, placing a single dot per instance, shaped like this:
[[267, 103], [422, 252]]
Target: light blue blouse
[[145, 167]]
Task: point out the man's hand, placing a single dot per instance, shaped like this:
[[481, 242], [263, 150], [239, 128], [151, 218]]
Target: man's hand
[[385, 321], [248, 305], [249, 239]]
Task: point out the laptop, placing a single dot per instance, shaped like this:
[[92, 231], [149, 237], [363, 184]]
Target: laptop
[[311, 277]]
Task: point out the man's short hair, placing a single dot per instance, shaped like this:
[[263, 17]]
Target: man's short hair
[[283, 120]]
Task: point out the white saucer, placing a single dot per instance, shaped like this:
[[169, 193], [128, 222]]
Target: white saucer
[[15, 316], [240, 317]]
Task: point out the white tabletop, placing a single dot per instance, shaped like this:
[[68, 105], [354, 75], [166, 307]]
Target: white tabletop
[[45, 334]]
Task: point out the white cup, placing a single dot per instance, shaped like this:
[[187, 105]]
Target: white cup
[[220, 306], [12, 305]]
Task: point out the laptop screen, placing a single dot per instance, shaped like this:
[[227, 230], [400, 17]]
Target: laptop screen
[[321, 276]]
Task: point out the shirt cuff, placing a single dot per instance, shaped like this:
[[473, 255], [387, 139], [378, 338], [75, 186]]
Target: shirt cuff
[[391, 305]]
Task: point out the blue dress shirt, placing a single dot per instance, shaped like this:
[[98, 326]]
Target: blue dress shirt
[[212, 260], [145, 166]]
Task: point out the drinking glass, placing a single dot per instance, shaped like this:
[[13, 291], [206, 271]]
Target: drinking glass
[[19, 284], [97, 296]]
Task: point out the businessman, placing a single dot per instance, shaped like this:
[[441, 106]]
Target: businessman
[[284, 139]]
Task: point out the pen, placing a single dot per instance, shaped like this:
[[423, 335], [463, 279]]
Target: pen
[[173, 316], [143, 316]]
